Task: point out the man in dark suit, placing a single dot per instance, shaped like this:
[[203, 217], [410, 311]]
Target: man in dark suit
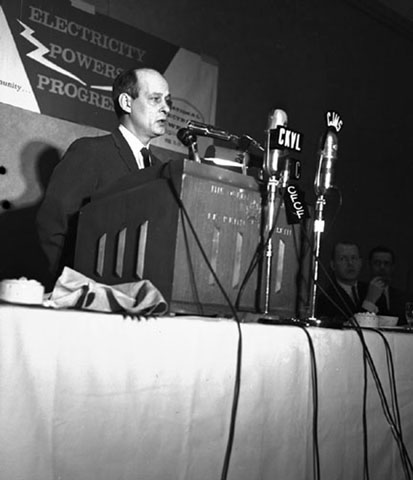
[[384, 298], [345, 294], [142, 103]]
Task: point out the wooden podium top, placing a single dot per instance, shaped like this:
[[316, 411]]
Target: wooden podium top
[[176, 169]]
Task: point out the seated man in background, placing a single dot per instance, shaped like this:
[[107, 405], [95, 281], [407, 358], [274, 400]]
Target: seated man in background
[[345, 294], [142, 103], [382, 298]]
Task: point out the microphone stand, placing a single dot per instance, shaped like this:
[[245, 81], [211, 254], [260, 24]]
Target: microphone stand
[[318, 230], [272, 188], [275, 162], [323, 182], [277, 168], [273, 185], [190, 141]]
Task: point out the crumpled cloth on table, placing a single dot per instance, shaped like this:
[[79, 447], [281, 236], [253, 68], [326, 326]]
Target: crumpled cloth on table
[[75, 290]]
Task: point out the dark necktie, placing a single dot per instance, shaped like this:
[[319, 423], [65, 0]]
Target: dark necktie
[[355, 294], [382, 304], [146, 157]]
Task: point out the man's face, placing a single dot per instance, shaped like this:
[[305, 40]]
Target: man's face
[[346, 263], [381, 265], [148, 112]]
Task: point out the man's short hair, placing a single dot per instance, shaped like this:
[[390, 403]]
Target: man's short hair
[[125, 82], [347, 243], [382, 249]]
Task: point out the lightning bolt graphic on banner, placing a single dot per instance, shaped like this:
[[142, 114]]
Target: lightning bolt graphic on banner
[[41, 50], [104, 88]]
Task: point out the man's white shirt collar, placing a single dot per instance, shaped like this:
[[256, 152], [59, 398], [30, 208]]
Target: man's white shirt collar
[[135, 144], [346, 287]]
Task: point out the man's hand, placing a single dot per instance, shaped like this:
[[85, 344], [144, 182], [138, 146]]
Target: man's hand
[[375, 289]]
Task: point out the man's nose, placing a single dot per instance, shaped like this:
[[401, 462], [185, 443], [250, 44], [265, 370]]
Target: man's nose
[[165, 107]]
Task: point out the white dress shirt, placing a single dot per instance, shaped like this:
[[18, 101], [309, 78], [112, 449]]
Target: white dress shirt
[[135, 144], [348, 289]]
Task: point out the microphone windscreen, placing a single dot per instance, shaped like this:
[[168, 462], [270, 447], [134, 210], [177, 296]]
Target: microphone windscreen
[[272, 156], [184, 136], [277, 118], [330, 147]]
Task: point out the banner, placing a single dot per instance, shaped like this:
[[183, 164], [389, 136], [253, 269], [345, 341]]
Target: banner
[[60, 60]]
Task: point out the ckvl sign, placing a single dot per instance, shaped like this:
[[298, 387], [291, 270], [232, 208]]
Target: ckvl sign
[[283, 137], [61, 60], [291, 141]]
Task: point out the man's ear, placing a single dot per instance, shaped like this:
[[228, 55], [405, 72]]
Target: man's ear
[[125, 102], [332, 265]]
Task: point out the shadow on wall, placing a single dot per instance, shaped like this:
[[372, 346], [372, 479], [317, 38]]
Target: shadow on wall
[[20, 252]]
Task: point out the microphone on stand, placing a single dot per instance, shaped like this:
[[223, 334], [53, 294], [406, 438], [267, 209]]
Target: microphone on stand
[[198, 128], [272, 166], [324, 179], [274, 157], [286, 173], [245, 142], [189, 140]]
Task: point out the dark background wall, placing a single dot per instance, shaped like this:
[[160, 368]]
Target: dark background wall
[[307, 57]]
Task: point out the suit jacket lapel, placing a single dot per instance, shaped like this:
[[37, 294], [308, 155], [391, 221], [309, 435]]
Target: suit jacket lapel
[[344, 299], [125, 151]]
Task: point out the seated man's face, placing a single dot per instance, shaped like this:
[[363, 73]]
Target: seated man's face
[[381, 265], [346, 263]]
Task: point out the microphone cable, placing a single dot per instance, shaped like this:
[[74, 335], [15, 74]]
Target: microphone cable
[[237, 382], [346, 313], [394, 402], [395, 427], [301, 281], [366, 473], [314, 379], [314, 384], [336, 212], [257, 256], [392, 380], [191, 266], [394, 424]]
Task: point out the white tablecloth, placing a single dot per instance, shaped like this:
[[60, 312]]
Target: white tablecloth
[[87, 396]]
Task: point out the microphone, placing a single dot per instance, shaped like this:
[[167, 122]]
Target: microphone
[[273, 156], [245, 142], [198, 128], [189, 140], [325, 172]]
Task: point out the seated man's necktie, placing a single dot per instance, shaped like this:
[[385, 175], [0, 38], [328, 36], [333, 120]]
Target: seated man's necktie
[[355, 294], [146, 156], [382, 304]]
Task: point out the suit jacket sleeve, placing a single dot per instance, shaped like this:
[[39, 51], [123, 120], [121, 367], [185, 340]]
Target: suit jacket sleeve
[[90, 164], [70, 187]]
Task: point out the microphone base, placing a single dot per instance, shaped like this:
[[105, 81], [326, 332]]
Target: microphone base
[[268, 319], [324, 323]]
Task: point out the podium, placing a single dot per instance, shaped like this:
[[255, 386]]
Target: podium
[[154, 224]]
